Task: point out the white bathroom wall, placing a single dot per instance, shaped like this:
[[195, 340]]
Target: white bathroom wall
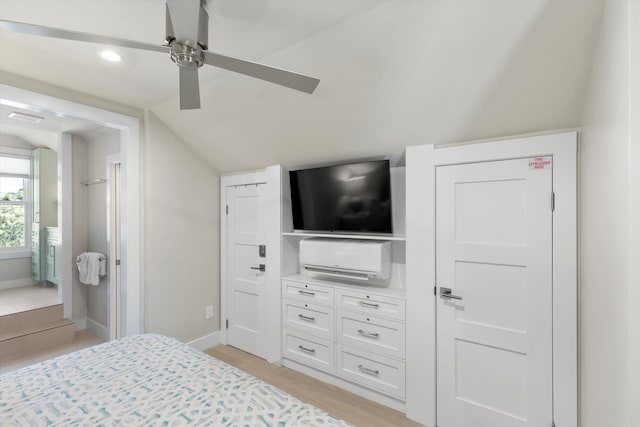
[[15, 272], [14, 141], [100, 144], [90, 220], [79, 220], [634, 213]]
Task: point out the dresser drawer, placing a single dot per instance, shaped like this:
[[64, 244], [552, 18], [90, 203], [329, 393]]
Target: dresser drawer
[[378, 372], [309, 350], [376, 305], [311, 318], [371, 333], [316, 294]]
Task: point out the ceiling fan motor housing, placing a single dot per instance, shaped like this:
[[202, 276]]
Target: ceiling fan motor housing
[[186, 53]]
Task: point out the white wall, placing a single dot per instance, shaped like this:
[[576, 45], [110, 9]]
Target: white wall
[[79, 220], [15, 272], [181, 237], [100, 144], [605, 226], [90, 217], [634, 212], [7, 140]]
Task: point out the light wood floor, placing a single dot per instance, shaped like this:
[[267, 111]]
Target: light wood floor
[[338, 402]]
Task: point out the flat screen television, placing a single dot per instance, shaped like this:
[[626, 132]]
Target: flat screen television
[[348, 198]]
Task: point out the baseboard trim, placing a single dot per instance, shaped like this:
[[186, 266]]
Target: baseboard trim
[[205, 342], [17, 283], [81, 324], [97, 329]]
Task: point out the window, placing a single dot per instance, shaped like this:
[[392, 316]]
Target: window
[[15, 200]]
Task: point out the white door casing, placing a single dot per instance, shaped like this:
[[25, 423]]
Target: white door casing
[[246, 283], [114, 245], [494, 251]]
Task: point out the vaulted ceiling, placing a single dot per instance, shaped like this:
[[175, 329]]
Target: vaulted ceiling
[[393, 73]]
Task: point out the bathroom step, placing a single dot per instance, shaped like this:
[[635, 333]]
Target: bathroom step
[[13, 324], [30, 331], [62, 332]]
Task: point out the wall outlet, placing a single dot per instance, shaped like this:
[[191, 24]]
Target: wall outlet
[[209, 312]]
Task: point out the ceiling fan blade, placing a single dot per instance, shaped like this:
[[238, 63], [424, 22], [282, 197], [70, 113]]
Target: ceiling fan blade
[[185, 19], [189, 89], [264, 72], [38, 30]]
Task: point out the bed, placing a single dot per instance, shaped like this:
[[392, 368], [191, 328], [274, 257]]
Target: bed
[[147, 380]]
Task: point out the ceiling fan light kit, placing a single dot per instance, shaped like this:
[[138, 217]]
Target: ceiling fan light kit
[[187, 30]]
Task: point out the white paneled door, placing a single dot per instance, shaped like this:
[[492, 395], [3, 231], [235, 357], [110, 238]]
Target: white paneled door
[[246, 269], [494, 287]]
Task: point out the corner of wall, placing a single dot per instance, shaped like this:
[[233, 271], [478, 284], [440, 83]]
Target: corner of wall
[[181, 236], [605, 228], [634, 212]]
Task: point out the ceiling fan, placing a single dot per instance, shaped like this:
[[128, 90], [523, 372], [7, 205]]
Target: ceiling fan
[[187, 29]]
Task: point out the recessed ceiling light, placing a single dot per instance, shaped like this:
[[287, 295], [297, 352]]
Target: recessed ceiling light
[[25, 117], [111, 56]]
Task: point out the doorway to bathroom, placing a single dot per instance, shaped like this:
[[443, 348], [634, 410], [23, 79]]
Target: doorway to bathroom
[[122, 254]]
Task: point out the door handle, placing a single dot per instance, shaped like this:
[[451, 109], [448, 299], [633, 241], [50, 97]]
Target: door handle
[[262, 268], [446, 293]]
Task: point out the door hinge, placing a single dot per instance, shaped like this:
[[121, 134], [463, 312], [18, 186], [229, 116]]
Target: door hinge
[[553, 424], [553, 201], [117, 262], [434, 290], [227, 209], [227, 323]]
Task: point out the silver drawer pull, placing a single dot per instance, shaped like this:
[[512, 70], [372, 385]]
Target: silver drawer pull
[[369, 334], [369, 304], [307, 350], [311, 294], [373, 372], [306, 318]]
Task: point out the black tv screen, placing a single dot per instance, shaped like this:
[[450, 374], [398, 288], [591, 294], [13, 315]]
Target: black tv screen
[[353, 198]]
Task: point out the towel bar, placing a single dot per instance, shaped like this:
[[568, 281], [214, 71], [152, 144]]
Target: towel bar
[[100, 258]]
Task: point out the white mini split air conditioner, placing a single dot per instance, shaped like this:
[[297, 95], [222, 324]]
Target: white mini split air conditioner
[[346, 258]]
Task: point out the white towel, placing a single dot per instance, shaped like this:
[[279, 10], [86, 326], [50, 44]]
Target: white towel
[[91, 266]]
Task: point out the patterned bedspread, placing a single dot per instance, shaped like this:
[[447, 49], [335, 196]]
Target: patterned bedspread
[[147, 380]]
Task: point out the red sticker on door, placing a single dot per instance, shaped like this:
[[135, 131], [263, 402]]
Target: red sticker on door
[[540, 163]]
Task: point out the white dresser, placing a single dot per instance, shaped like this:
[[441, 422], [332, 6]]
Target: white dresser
[[352, 333]]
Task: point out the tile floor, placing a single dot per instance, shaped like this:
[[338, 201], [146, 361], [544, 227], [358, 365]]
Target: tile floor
[[83, 339], [24, 298]]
